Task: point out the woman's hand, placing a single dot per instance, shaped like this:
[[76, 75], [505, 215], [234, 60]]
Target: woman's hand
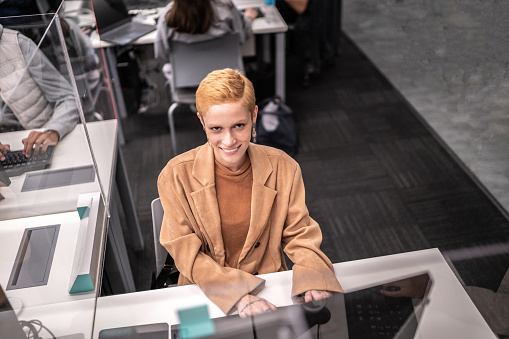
[[250, 305], [316, 295]]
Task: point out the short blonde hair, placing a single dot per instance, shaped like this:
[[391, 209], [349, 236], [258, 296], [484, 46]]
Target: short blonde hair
[[225, 86]]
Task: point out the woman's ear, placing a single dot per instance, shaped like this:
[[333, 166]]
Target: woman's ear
[[201, 120], [255, 114]]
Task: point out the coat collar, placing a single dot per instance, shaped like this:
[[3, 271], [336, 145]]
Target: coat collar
[[205, 199]]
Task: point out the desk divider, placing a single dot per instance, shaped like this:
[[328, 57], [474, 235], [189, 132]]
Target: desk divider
[[84, 270]]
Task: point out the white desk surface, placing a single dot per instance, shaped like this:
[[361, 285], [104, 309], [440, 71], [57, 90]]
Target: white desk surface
[[450, 313], [61, 312], [57, 288], [69, 320], [72, 151]]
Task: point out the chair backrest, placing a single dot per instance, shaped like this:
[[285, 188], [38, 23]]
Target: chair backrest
[[191, 62], [157, 220]]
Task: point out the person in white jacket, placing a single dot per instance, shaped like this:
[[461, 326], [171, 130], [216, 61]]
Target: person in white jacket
[[42, 99]]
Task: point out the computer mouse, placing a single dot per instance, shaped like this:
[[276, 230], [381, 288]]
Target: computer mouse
[[392, 288], [316, 312], [16, 304]]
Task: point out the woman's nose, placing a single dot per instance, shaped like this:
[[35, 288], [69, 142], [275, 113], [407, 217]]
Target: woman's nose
[[228, 139]]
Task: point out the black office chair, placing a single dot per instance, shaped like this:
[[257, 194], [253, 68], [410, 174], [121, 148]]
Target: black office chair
[[163, 260]]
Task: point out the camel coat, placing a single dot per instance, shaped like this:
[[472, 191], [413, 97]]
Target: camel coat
[[191, 229]]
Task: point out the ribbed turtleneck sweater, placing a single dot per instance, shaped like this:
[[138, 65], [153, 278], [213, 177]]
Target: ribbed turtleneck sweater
[[233, 189]]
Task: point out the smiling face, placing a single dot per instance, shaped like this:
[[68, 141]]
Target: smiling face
[[228, 127]]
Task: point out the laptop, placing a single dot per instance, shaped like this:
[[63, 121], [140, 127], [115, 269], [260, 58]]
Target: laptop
[[9, 324], [147, 331], [362, 314], [116, 25]]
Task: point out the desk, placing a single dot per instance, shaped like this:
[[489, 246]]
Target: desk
[[62, 312], [72, 151], [260, 26], [450, 313]]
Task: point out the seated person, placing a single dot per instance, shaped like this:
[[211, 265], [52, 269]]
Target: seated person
[[232, 207], [42, 99], [200, 20]]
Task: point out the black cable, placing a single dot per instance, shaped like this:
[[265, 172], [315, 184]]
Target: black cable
[[33, 332]]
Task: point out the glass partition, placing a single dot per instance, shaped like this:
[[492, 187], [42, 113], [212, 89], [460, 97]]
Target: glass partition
[[58, 137]]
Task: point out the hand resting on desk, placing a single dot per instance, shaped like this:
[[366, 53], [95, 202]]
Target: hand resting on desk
[[250, 305]]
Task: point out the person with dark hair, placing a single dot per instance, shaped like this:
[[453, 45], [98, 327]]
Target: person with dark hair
[[233, 208], [200, 20]]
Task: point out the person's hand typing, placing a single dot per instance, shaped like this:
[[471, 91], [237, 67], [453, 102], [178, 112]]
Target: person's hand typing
[[316, 295], [250, 305], [39, 142], [3, 151]]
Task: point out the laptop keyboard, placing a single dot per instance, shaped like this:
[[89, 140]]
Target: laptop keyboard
[[16, 163], [373, 315]]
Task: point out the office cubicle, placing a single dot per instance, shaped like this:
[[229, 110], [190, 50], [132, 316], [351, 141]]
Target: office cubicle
[[54, 204]]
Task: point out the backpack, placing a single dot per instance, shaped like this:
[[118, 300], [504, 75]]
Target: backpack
[[275, 126]]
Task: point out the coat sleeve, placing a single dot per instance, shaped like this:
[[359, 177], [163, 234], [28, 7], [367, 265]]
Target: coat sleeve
[[301, 240], [224, 286]]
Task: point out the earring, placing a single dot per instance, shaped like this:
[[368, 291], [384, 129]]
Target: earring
[[253, 134]]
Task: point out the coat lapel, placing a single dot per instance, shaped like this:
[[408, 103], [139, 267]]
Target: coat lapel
[[205, 201], [262, 197]]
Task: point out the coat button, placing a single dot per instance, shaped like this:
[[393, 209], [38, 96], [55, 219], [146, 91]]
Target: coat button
[[257, 244]]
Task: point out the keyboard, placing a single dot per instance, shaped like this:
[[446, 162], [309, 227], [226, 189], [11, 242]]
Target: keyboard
[[373, 315], [16, 163]]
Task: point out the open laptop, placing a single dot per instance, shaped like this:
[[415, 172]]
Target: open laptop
[[115, 24], [362, 314]]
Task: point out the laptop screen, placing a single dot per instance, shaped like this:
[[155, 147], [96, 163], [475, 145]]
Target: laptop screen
[[9, 324], [109, 14]]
